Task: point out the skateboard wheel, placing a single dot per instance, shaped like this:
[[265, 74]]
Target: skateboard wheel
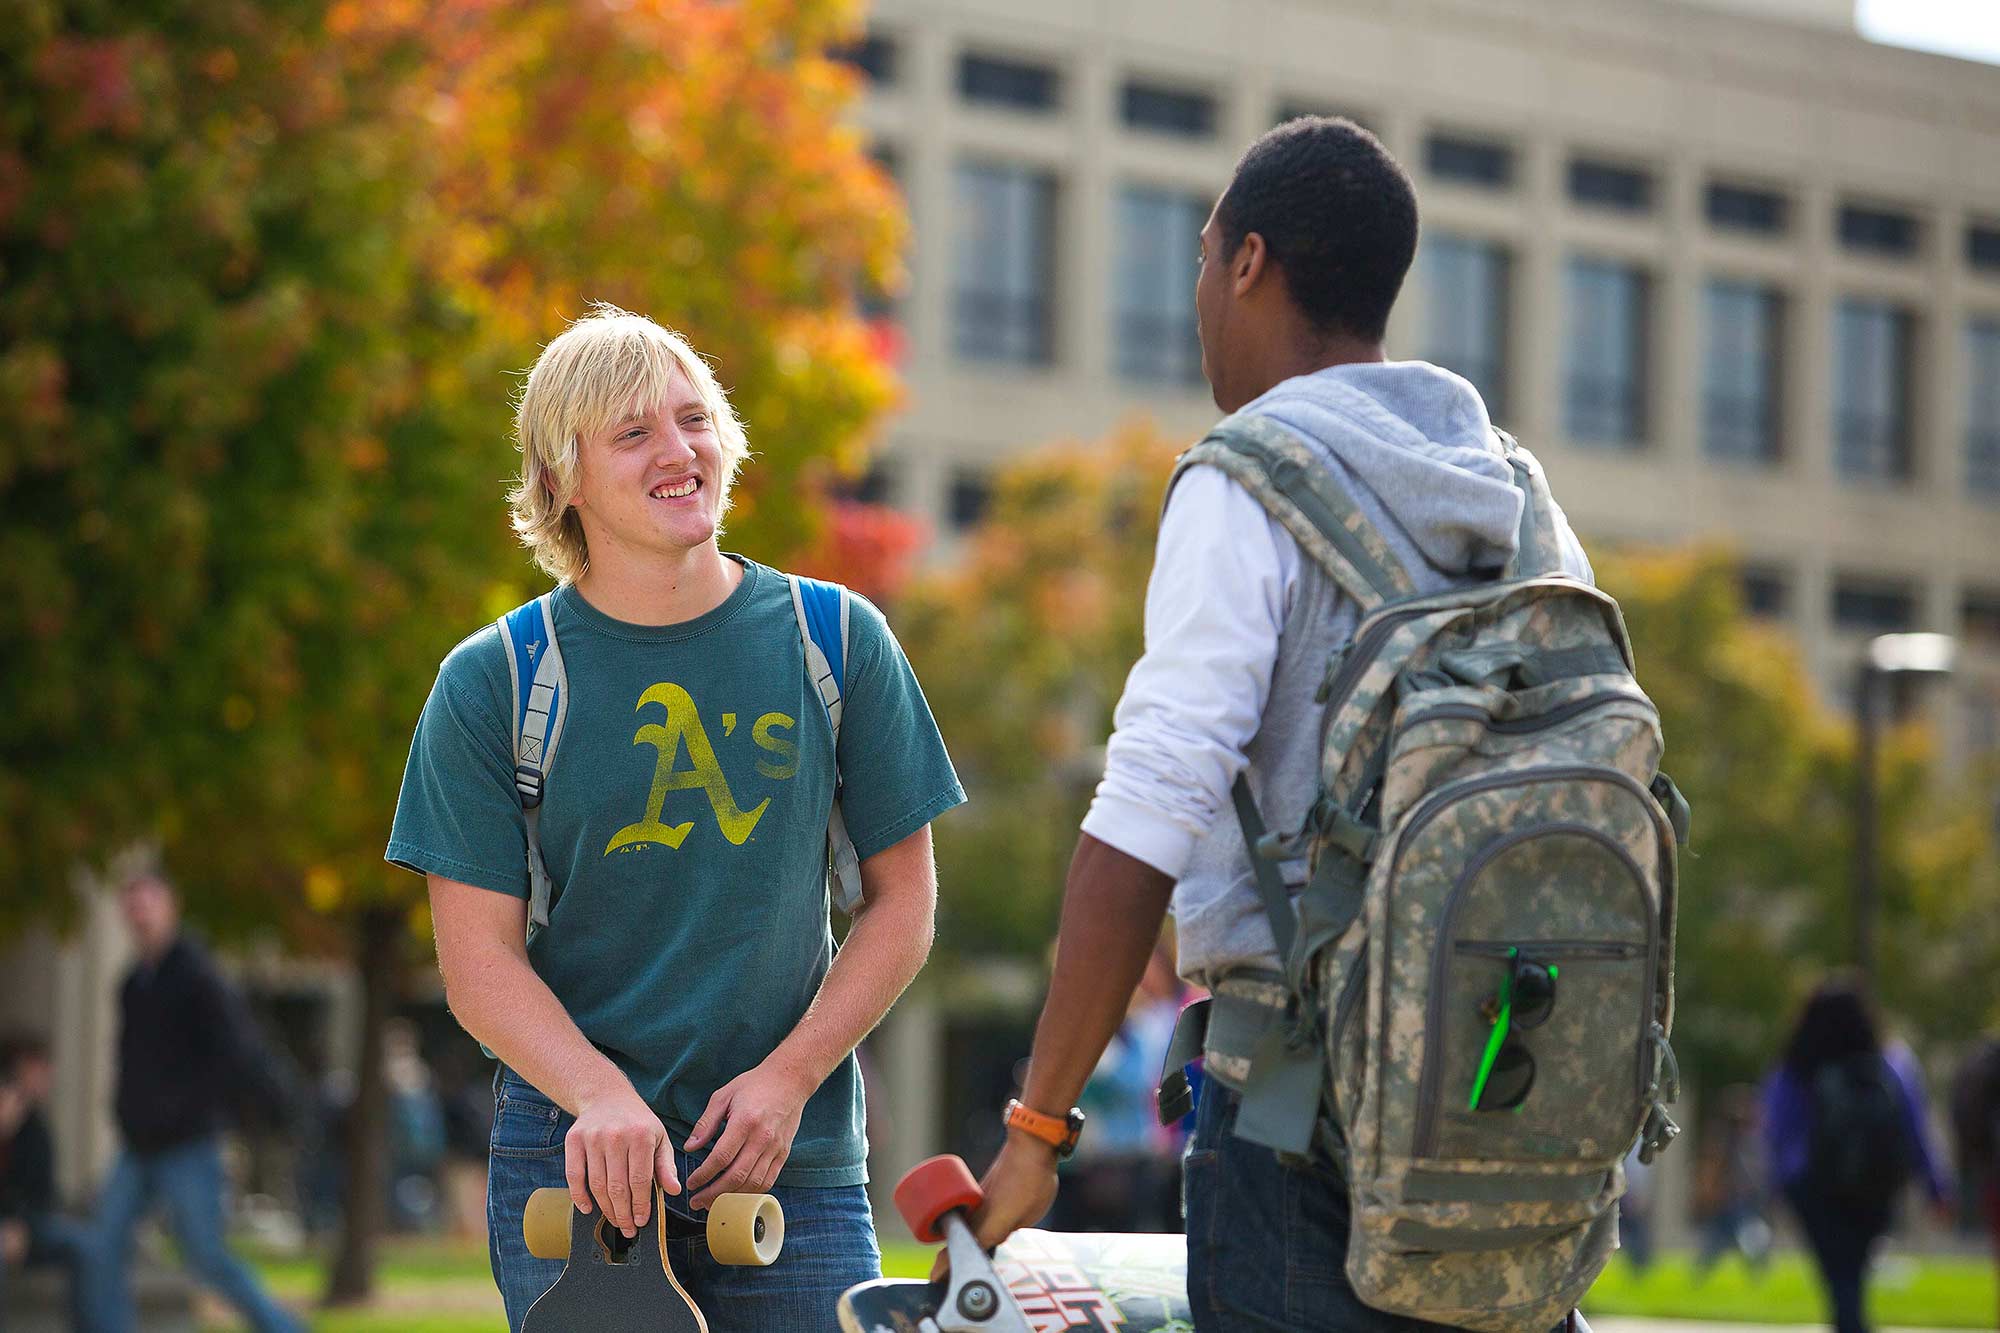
[[745, 1229], [545, 1223], [932, 1188]]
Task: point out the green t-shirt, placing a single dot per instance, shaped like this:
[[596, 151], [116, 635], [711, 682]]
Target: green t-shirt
[[684, 826]]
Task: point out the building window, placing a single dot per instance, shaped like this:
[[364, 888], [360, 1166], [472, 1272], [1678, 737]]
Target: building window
[[876, 486], [1873, 605], [1766, 593], [1603, 185], [1877, 231], [1982, 246], [1159, 250], [874, 55], [875, 303], [1979, 616], [1871, 388], [1982, 409], [1015, 84], [1465, 303], [1004, 257], [1469, 161], [1604, 381], [1146, 106], [1741, 370], [1740, 208], [968, 496]]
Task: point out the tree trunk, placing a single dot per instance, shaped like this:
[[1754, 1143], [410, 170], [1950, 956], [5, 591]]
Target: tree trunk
[[378, 942]]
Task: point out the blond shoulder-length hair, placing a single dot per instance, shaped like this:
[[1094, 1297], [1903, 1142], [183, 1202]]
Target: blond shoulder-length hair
[[596, 371]]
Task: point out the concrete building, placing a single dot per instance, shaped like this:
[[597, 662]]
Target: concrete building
[[1732, 271]]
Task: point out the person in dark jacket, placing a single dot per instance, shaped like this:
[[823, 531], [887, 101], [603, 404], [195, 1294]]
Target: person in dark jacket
[[1845, 1134], [185, 1054], [32, 1233]]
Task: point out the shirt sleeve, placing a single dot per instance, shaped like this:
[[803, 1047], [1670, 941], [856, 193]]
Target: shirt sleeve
[[1917, 1119], [1224, 574], [459, 815], [895, 775]]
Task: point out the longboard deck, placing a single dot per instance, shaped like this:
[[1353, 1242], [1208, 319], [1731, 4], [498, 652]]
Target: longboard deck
[[1059, 1281], [641, 1294]]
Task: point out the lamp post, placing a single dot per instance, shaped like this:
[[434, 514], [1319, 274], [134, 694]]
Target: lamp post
[[1888, 655]]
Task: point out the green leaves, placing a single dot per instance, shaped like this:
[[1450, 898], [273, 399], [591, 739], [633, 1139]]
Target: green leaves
[[267, 275]]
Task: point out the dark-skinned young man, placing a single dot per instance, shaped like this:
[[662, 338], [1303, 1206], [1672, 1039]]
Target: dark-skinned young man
[[1301, 262]]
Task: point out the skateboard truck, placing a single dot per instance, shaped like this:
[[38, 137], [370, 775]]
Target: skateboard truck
[[933, 1199]]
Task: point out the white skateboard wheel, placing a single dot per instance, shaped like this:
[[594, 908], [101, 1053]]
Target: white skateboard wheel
[[545, 1223], [746, 1229]]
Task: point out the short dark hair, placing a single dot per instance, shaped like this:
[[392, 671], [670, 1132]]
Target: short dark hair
[[1337, 214], [1836, 1022]]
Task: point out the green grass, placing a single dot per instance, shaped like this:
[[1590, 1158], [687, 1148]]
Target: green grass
[[435, 1287], [1924, 1293]]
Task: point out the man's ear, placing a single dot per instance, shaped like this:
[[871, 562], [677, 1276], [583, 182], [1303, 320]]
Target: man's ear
[[1249, 266]]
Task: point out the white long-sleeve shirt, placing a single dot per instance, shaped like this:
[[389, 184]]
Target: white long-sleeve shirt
[[1240, 627]]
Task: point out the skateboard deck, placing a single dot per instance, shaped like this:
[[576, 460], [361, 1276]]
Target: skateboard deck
[[1054, 1281], [1036, 1282], [609, 1282]]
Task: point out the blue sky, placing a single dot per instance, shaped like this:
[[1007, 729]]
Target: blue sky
[[1969, 29]]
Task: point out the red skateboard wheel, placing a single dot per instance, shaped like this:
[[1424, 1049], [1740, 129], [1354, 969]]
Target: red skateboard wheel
[[932, 1188]]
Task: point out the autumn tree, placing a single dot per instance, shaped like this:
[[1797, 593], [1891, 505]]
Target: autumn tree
[[267, 272]]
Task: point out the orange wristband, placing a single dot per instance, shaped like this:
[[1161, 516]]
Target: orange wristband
[[1059, 1132]]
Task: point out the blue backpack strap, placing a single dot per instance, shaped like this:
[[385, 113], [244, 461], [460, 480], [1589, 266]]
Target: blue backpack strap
[[541, 704], [822, 611]]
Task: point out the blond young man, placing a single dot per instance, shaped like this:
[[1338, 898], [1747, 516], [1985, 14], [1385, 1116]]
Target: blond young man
[[681, 1018]]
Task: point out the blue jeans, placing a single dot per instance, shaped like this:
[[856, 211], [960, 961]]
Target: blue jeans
[[829, 1233], [1267, 1242], [187, 1180], [55, 1241]]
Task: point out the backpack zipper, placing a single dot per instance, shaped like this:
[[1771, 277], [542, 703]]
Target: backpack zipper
[[1552, 948], [1513, 726], [1343, 1010]]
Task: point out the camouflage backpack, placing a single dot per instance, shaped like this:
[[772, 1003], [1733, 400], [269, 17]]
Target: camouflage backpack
[[1479, 972]]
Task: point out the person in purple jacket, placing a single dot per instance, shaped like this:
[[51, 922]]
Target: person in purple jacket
[[1845, 1131]]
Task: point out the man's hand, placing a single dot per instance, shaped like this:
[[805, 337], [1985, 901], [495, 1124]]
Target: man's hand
[[13, 1242], [757, 1115], [1019, 1187], [613, 1153]]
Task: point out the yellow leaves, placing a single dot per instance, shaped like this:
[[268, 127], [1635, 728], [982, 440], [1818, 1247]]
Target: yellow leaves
[[238, 712], [365, 453], [323, 889]]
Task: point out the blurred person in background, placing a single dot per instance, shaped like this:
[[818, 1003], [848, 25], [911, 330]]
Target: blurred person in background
[[416, 1129], [1124, 1176], [33, 1234], [186, 1055], [682, 1018], [1975, 1120], [1636, 1211], [1845, 1133], [1729, 1185], [468, 1127]]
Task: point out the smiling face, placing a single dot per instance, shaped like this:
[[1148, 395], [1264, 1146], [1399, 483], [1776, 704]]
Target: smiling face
[[652, 483]]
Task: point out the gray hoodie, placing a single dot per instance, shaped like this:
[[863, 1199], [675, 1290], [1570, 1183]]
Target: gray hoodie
[[1411, 443]]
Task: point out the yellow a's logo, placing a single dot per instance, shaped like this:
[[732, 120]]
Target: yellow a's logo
[[684, 724]]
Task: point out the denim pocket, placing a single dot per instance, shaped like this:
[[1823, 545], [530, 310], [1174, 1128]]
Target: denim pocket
[[525, 1123]]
